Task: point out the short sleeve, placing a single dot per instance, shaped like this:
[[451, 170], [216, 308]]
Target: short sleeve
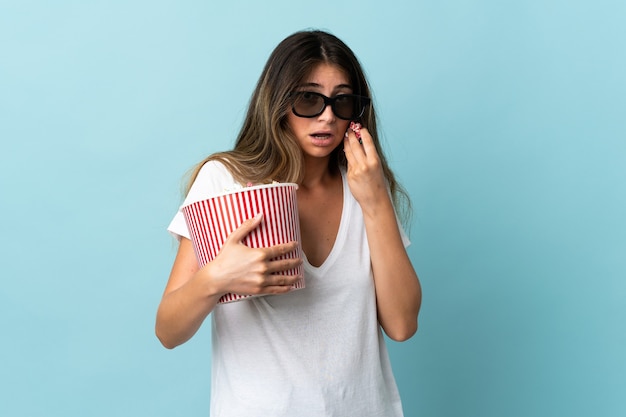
[[405, 239], [213, 178]]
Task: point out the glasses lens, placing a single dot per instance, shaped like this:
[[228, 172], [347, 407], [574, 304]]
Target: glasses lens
[[347, 106], [308, 104]]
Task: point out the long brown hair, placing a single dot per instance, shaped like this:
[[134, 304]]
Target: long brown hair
[[266, 150]]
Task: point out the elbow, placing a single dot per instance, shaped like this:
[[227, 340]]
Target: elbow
[[165, 341], [402, 333]]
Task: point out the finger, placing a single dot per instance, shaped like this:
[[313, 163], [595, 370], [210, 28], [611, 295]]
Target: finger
[[280, 250], [284, 280], [245, 228], [367, 141], [282, 266], [352, 147]]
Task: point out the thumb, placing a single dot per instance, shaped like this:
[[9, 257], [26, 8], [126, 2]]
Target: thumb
[[245, 228]]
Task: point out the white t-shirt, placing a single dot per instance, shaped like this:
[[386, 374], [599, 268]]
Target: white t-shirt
[[314, 352]]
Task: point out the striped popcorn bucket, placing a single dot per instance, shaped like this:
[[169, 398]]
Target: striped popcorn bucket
[[211, 221]]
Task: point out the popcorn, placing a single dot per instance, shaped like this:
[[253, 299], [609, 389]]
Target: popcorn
[[236, 186], [356, 128]]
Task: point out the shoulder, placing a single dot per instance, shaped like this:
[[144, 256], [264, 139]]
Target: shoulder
[[214, 168], [213, 178]]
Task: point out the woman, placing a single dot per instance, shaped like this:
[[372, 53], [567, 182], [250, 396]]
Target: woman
[[317, 351]]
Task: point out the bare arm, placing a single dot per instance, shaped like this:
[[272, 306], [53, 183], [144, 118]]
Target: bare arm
[[398, 291], [192, 292]]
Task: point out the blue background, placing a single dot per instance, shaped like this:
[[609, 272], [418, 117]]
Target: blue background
[[505, 120]]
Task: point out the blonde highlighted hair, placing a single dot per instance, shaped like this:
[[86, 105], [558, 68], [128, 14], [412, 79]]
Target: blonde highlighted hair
[[265, 149]]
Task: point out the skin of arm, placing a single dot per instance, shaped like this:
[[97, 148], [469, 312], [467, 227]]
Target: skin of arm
[[398, 290], [192, 292]]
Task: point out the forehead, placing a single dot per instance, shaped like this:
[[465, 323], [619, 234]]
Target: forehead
[[327, 75]]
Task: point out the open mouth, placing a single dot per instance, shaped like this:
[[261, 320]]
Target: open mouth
[[321, 136]]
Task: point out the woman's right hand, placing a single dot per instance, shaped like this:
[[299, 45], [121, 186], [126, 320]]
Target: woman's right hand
[[192, 292], [240, 269]]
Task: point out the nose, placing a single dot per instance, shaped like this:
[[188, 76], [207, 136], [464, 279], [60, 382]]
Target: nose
[[327, 115]]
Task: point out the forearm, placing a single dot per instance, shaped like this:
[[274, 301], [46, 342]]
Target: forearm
[[192, 293], [182, 312], [398, 291]]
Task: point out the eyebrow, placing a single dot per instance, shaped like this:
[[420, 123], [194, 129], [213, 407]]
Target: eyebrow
[[338, 87]]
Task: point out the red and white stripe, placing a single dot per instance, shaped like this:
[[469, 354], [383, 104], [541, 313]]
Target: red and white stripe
[[211, 221]]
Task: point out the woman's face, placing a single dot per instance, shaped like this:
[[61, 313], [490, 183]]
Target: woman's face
[[320, 135]]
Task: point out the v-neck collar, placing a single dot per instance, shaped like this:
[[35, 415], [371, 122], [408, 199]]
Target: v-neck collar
[[341, 235]]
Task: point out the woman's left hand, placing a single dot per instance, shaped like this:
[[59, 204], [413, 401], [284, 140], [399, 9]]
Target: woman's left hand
[[398, 291], [365, 172]]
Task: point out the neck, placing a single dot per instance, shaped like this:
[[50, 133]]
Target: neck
[[317, 171]]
